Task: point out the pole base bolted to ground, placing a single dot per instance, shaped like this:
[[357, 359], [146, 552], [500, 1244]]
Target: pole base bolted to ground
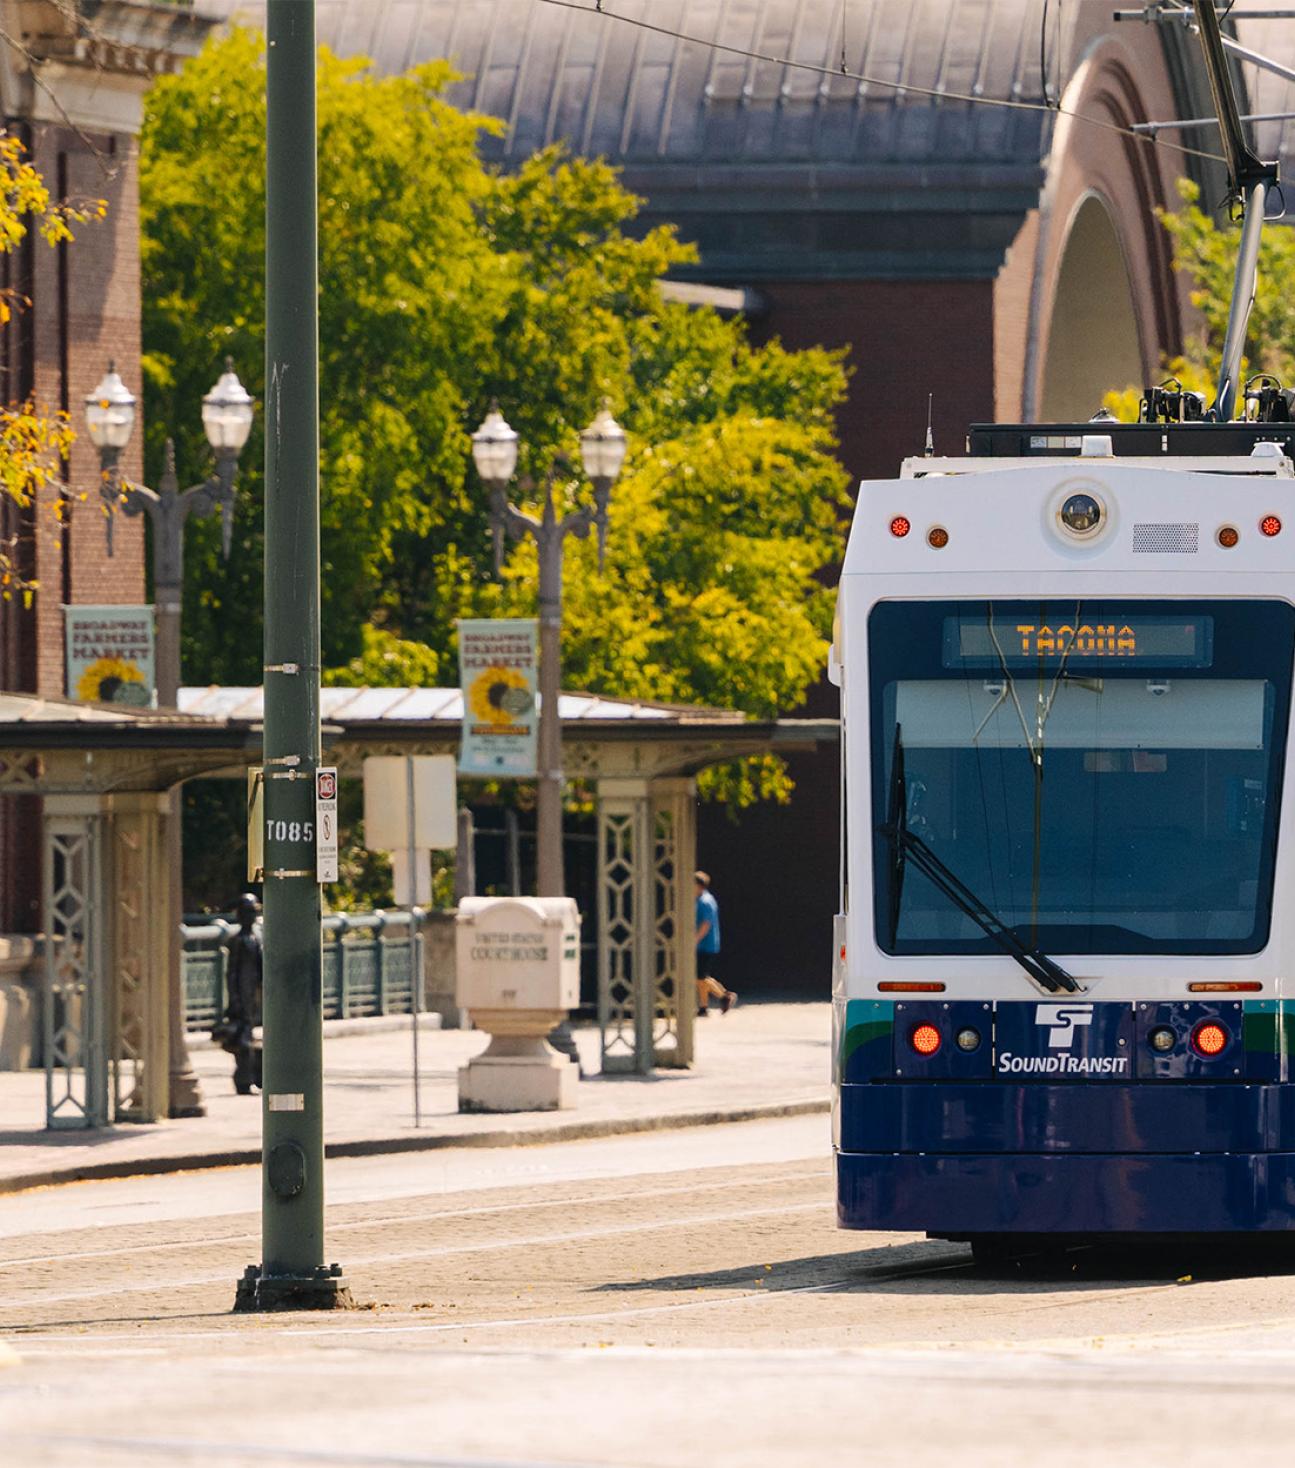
[[325, 1289]]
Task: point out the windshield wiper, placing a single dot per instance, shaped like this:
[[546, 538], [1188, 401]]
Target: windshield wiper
[[907, 846]]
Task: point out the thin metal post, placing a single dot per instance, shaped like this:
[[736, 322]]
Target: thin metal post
[[1243, 299], [465, 857], [512, 852], [292, 1273], [549, 536], [412, 898]]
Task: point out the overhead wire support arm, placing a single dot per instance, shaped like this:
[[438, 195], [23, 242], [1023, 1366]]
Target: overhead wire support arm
[[1249, 180]]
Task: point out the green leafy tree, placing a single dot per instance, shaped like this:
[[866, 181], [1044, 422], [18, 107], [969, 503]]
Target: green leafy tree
[[444, 284]]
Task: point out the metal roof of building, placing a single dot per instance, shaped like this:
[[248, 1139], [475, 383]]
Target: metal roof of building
[[773, 169], [432, 705], [639, 96]]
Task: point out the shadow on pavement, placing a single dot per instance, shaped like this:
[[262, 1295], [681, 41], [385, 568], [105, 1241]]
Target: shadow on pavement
[[937, 1266]]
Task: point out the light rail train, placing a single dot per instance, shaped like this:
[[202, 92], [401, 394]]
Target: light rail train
[[1063, 966], [1064, 984]]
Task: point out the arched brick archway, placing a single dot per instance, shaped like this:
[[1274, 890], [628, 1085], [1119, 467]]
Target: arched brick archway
[[1093, 342], [1099, 305]]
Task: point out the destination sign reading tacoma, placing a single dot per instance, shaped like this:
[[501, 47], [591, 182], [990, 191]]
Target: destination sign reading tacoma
[[1171, 642]]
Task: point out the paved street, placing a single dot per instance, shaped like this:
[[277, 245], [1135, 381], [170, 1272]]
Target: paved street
[[674, 1298]]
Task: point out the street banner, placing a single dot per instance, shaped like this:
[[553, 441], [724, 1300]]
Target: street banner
[[497, 674], [110, 655]]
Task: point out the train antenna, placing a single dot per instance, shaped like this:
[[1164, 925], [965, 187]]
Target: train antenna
[[930, 440], [1249, 180]]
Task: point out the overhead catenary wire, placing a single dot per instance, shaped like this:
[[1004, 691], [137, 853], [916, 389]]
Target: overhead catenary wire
[[1055, 109]]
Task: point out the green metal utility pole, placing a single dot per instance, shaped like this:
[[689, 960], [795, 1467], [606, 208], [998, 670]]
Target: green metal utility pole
[[292, 1274]]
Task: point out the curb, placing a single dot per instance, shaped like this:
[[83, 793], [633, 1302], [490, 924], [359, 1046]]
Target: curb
[[570, 1131], [429, 1021]]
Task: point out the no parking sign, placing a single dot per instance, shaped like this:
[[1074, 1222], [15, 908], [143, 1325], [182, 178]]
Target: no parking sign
[[326, 824]]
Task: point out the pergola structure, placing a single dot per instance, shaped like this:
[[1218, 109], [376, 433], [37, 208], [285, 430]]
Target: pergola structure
[[108, 779]]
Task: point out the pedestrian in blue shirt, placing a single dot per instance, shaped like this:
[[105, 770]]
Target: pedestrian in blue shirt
[[707, 919]]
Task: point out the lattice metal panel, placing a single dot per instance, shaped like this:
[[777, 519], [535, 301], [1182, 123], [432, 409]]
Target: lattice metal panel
[[666, 935], [129, 1022], [76, 1089], [616, 990], [1180, 539]]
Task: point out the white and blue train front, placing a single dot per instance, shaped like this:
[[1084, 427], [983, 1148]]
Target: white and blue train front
[[1066, 937]]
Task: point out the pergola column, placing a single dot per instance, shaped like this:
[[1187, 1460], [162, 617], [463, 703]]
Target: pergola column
[[109, 931], [145, 948], [674, 859], [625, 925], [76, 998], [647, 997]]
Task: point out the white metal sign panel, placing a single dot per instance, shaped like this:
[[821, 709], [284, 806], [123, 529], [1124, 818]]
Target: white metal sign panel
[[397, 787]]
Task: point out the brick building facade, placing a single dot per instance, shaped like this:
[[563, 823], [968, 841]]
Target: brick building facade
[[74, 96]]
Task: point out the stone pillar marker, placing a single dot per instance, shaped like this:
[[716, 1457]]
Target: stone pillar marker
[[518, 970]]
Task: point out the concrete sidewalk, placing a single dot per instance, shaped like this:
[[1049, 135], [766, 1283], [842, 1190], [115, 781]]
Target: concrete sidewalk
[[760, 1060]]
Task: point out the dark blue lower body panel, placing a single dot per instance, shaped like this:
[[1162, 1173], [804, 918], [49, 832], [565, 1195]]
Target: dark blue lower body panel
[[1066, 1193]]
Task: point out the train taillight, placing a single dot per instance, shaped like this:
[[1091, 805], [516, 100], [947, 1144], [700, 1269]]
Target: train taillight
[[1270, 525], [1161, 1039], [1209, 1039], [900, 526], [925, 1039]]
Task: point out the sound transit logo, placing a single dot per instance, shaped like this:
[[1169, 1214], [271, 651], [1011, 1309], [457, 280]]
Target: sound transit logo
[[1064, 1020]]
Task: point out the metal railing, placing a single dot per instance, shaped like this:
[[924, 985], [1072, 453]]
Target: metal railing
[[366, 965]]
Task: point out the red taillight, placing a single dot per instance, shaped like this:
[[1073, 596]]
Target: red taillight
[[925, 1039], [1270, 525], [1209, 1038], [900, 526]]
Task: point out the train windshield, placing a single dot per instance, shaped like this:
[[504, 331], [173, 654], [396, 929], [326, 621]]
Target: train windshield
[[1104, 776]]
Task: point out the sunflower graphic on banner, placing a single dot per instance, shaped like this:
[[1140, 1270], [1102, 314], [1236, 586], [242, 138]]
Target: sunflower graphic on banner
[[497, 670]]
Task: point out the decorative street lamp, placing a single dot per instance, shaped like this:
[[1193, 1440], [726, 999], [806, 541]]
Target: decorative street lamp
[[494, 451], [227, 421]]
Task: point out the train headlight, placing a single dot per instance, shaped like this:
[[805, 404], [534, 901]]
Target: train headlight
[[1081, 515], [1209, 1038], [1162, 1039], [968, 1039], [925, 1039]]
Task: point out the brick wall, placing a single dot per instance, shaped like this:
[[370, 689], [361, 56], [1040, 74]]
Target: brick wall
[[84, 310], [87, 312]]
